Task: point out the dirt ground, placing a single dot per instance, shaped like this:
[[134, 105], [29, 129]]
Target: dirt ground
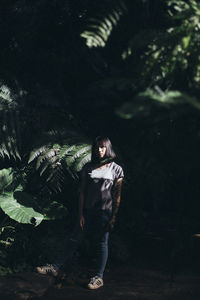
[[120, 282]]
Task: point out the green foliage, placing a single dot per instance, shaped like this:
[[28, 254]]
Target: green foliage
[[142, 105], [19, 212], [69, 152], [6, 179], [99, 29], [170, 97], [26, 189], [174, 49], [166, 56], [26, 209], [141, 53], [77, 157]]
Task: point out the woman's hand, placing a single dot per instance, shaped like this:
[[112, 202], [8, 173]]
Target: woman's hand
[[81, 221]]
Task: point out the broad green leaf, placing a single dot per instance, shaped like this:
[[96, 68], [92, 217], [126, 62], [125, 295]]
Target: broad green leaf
[[17, 211]]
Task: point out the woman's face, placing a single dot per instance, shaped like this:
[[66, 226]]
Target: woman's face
[[101, 151]]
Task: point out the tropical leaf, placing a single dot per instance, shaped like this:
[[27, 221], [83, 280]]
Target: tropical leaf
[[18, 212], [24, 208]]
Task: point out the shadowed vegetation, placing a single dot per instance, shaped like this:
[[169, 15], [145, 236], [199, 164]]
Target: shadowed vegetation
[[71, 70]]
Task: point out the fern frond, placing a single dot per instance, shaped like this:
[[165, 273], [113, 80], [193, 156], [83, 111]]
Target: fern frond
[[9, 125], [99, 30], [46, 156], [78, 152], [9, 134], [55, 179], [36, 152], [81, 161], [50, 163], [63, 151]]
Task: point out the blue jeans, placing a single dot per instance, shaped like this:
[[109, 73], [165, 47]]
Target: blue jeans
[[96, 223]]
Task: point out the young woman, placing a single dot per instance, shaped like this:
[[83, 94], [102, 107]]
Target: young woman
[[100, 191]]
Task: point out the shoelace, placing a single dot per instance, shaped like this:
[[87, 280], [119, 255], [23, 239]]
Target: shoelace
[[95, 280], [49, 269], [98, 282], [92, 280]]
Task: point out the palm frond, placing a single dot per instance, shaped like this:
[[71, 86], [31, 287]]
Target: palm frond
[[98, 30]]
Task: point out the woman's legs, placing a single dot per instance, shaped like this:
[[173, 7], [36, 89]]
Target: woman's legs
[[97, 224], [102, 255], [101, 236]]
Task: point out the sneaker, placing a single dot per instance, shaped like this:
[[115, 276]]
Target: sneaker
[[47, 269], [95, 283]]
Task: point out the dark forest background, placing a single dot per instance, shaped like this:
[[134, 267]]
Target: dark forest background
[[72, 70]]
